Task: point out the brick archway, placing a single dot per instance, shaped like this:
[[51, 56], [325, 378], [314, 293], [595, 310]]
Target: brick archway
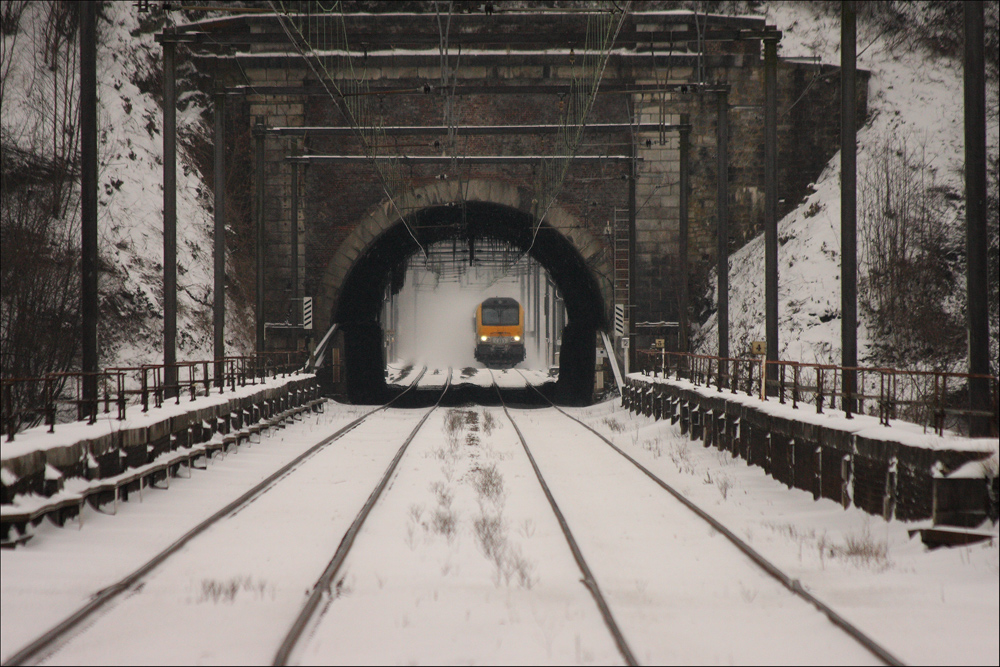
[[354, 281], [367, 231]]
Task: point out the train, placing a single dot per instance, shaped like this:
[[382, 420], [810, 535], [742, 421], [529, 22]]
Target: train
[[499, 325]]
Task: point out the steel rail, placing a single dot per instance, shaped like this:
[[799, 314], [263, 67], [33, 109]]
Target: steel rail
[[105, 595], [588, 577], [788, 582], [322, 586]]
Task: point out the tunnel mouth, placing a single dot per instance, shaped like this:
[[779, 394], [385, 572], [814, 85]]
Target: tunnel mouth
[[382, 265]]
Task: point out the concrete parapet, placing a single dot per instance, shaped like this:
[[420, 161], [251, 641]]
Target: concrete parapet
[[881, 476], [117, 450]]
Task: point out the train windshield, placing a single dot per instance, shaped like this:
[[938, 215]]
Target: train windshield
[[499, 317]]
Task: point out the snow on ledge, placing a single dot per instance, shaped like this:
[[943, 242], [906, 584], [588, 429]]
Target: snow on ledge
[[39, 439], [904, 433]]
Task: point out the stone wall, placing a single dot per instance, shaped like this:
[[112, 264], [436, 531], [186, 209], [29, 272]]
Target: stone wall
[[882, 477], [336, 198]]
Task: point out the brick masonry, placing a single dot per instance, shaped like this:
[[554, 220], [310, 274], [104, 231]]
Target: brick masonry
[[336, 200]]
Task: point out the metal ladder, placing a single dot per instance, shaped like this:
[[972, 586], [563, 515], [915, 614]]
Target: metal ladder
[[621, 258]]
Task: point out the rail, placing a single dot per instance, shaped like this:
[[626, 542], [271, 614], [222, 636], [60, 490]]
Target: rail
[[927, 398], [53, 398]]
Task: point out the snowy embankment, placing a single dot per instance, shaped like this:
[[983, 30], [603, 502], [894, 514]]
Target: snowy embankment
[[462, 560], [914, 102], [130, 181]]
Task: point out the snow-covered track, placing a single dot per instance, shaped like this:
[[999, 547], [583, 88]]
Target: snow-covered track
[[321, 590], [793, 585], [100, 603], [588, 577]]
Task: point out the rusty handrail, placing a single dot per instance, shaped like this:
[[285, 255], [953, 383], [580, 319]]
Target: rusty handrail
[[921, 397], [143, 384]]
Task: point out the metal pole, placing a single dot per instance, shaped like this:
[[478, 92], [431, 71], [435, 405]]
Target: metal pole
[[722, 220], [169, 221], [975, 206], [771, 205], [537, 309], [630, 308], [259, 236], [548, 324], [848, 210], [296, 301], [219, 305], [685, 138], [88, 200]]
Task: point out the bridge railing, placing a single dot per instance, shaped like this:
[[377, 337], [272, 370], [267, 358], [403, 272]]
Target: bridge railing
[[59, 397], [934, 399]]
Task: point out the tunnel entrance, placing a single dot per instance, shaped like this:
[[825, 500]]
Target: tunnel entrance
[[504, 233]]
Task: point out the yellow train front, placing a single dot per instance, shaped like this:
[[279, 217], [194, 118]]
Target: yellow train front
[[500, 333]]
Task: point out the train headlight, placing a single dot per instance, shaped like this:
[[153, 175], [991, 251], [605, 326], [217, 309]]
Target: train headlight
[[483, 338], [517, 339]]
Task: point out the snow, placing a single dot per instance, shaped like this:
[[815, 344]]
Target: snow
[[422, 586], [913, 97], [39, 438], [912, 435], [130, 186], [59, 569]]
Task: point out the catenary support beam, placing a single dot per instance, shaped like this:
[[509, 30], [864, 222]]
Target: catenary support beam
[[975, 207], [771, 206], [722, 220], [462, 130], [169, 219], [630, 310], [259, 236], [463, 159], [88, 202], [848, 208], [294, 256], [219, 300], [683, 331]]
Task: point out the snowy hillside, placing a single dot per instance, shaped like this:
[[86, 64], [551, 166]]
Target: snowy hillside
[[915, 115], [130, 148]]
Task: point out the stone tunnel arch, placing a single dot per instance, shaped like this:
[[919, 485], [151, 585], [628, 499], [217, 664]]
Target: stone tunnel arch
[[376, 251]]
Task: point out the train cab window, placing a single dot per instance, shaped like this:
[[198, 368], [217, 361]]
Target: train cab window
[[503, 316]]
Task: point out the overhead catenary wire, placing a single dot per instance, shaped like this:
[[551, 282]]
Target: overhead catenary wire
[[356, 108]]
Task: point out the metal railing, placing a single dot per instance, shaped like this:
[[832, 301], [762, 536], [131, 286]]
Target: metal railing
[[934, 399], [51, 399]]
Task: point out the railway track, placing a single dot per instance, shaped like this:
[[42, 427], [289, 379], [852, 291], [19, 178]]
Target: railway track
[[321, 591], [862, 640], [109, 601], [588, 577]]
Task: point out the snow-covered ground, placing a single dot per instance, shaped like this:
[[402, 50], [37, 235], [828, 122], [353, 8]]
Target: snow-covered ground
[[402, 374], [461, 560]]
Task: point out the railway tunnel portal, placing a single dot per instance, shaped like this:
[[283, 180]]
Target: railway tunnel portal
[[363, 152], [355, 281]]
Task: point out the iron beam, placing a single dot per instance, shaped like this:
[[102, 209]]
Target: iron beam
[[219, 301], [496, 89], [630, 309], [682, 342], [771, 205], [259, 236], [446, 159], [975, 207], [464, 130], [296, 303], [169, 219], [848, 205], [88, 202], [722, 220]]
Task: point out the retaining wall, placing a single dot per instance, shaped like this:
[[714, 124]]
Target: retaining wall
[[43, 471], [878, 475]]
